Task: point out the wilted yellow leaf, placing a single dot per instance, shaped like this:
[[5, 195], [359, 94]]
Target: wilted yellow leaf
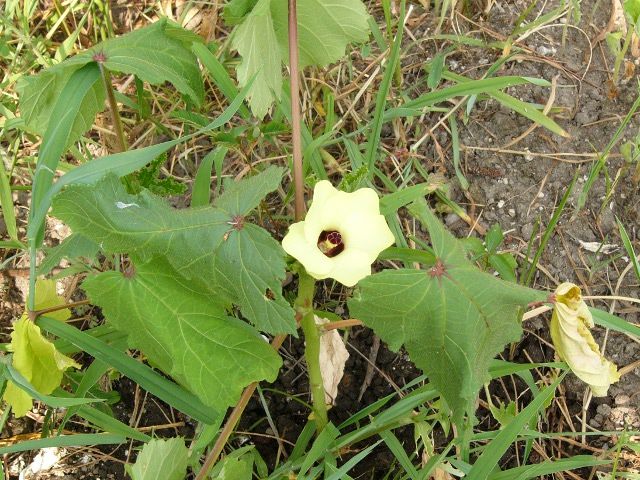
[[570, 324], [35, 357], [47, 297]]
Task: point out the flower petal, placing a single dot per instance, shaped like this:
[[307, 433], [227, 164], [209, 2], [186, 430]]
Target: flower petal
[[356, 216], [363, 200], [574, 343], [368, 233], [319, 216], [350, 267], [296, 245]]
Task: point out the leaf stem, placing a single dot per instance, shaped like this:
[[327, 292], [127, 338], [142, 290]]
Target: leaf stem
[[296, 118], [231, 422], [34, 314], [113, 107], [304, 311]]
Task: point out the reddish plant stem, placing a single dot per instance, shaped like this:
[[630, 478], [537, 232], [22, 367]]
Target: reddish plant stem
[[298, 181], [350, 322], [113, 108], [34, 314], [296, 117]]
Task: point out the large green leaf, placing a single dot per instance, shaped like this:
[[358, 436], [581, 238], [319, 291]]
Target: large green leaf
[[256, 42], [38, 96], [154, 53], [325, 27], [184, 330], [166, 459], [453, 318], [122, 223], [216, 248]]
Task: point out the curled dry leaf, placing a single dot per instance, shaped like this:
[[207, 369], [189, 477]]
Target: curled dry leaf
[[570, 324], [597, 247], [616, 23], [333, 357]]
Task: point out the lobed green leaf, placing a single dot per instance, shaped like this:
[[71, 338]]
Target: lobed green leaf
[[453, 318], [184, 330]]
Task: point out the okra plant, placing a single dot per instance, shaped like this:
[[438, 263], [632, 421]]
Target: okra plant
[[197, 290]]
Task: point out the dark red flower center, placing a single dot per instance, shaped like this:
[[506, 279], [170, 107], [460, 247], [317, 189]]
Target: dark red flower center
[[330, 243]]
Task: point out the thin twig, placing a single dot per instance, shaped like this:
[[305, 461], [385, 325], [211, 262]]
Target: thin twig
[[33, 315], [233, 419], [351, 322], [113, 106], [296, 118], [298, 180]]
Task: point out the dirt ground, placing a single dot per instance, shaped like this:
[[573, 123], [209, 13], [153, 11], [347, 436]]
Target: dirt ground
[[516, 178]]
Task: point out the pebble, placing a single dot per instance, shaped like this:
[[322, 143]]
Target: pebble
[[512, 212], [528, 157], [546, 51], [501, 203], [603, 409], [451, 218], [622, 399]]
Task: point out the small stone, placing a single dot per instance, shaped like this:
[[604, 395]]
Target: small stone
[[451, 218], [512, 212], [540, 194], [603, 409], [528, 157], [546, 51], [501, 203], [622, 399]]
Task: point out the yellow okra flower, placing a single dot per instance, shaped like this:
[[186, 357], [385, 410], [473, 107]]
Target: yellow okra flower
[[341, 236]]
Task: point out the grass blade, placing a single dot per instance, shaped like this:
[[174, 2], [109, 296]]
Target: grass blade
[[342, 471], [487, 85], [78, 440], [12, 374], [528, 278], [491, 455], [597, 166], [607, 320], [527, 110], [6, 204], [144, 376], [455, 145], [55, 140], [373, 142], [219, 75], [547, 468], [398, 452], [201, 194], [628, 246]]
